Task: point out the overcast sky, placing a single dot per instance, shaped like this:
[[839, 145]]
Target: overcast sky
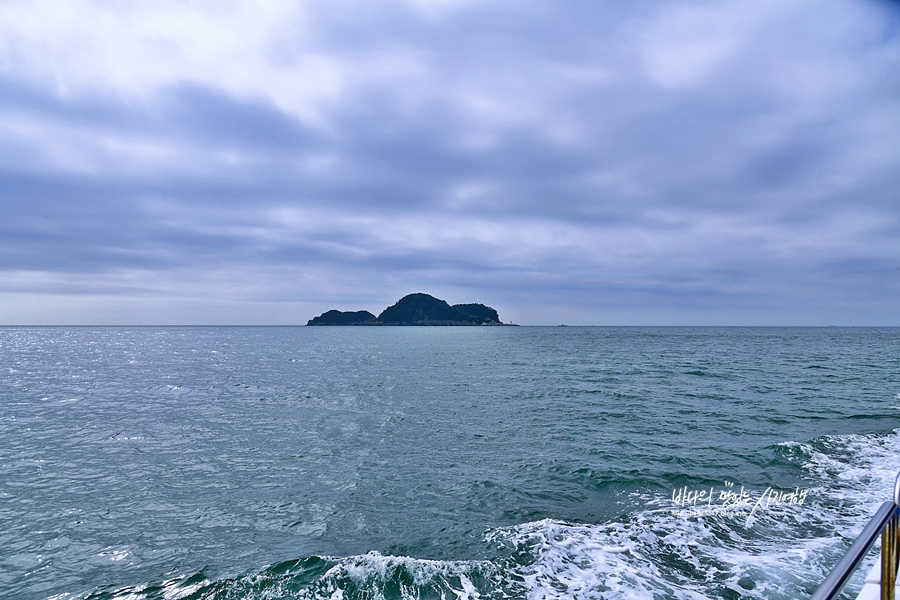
[[581, 162]]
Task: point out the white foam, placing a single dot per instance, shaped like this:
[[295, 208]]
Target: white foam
[[374, 572], [778, 553]]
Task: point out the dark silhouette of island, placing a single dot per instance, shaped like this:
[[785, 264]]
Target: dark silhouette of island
[[336, 317], [415, 309]]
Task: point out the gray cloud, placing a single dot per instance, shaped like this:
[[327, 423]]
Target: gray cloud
[[649, 163]]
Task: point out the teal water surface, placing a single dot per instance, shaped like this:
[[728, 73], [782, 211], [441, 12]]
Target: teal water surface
[[436, 462]]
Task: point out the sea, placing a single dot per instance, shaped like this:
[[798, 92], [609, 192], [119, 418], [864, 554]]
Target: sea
[[440, 462]]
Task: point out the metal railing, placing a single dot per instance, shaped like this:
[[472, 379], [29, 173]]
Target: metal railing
[[886, 523]]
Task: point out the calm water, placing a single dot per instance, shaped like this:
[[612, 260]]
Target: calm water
[[493, 462]]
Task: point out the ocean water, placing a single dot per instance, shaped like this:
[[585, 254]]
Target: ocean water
[[407, 462]]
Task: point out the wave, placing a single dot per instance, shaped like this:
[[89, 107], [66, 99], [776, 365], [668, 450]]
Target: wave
[[752, 550], [779, 551]]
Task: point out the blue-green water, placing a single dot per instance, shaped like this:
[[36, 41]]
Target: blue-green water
[[492, 462]]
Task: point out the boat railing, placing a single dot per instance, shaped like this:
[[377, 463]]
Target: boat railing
[[885, 523]]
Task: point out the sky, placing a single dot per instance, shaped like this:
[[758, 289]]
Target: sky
[[582, 162]]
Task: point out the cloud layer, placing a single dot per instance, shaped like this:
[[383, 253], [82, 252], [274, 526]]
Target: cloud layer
[[592, 162]]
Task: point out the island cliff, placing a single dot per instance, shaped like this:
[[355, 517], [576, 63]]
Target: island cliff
[[415, 309]]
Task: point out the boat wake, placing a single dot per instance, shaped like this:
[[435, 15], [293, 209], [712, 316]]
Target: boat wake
[[659, 551]]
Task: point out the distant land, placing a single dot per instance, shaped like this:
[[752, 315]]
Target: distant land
[[414, 309]]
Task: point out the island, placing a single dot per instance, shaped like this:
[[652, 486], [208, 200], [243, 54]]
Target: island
[[414, 309], [336, 317]]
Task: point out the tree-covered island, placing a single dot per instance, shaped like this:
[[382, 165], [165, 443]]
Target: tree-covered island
[[414, 309]]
